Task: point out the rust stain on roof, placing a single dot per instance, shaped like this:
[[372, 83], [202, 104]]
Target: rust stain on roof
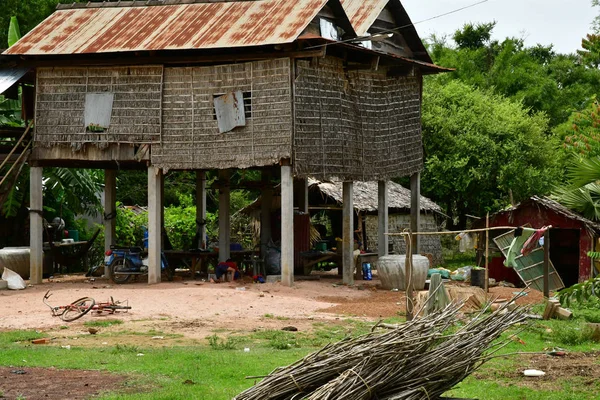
[[169, 27], [363, 13]]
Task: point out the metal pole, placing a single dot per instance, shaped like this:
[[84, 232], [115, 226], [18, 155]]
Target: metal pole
[[547, 263]]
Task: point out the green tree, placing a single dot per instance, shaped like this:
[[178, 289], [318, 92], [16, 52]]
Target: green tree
[[479, 146], [590, 52]]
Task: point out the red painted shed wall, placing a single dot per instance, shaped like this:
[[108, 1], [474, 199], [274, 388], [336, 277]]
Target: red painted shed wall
[[538, 217]]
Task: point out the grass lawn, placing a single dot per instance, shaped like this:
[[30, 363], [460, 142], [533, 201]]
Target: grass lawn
[[216, 369]]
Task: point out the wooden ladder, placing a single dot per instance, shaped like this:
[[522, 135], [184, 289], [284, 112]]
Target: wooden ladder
[[13, 161]]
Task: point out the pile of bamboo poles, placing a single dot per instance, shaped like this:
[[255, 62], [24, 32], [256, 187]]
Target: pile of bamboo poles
[[420, 359]]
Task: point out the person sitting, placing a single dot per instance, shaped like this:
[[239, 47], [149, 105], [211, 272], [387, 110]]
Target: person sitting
[[224, 268]]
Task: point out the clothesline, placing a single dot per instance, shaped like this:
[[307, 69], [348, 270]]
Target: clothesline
[[494, 228]]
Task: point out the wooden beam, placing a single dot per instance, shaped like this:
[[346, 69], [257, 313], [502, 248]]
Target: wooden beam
[[287, 224], [265, 212], [348, 233], [110, 209], [224, 217], [201, 209], [36, 229], [547, 263]]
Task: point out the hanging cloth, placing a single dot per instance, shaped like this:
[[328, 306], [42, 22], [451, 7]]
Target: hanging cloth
[[515, 247], [533, 241]]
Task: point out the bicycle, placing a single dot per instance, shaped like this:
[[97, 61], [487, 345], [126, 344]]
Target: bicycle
[[84, 305]]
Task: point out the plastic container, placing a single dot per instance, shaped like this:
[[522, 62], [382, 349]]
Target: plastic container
[[478, 278], [74, 234], [367, 274]]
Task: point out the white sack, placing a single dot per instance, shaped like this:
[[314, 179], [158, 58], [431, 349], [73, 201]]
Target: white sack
[[14, 280]]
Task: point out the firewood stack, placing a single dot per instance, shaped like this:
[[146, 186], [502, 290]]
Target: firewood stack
[[419, 359]]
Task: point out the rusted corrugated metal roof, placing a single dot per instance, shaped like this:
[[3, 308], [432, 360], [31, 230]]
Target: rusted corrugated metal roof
[[169, 27], [363, 13], [10, 76]]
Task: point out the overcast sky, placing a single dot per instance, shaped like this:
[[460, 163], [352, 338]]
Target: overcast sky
[[562, 23]]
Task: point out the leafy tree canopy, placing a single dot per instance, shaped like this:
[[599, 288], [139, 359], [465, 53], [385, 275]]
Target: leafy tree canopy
[[479, 146], [541, 79]]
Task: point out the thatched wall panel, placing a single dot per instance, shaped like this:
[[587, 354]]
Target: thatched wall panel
[[60, 105], [190, 136], [355, 125], [397, 223]]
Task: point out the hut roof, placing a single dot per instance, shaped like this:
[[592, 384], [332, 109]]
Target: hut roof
[[168, 25], [548, 204], [556, 207], [365, 196]]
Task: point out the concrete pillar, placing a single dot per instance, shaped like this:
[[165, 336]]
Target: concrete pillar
[[155, 223], [415, 211], [382, 219], [287, 224], [201, 208], [36, 228], [162, 210], [224, 215], [265, 212], [348, 233], [110, 209], [301, 194]]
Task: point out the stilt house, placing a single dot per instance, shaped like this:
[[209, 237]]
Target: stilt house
[[322, 88]]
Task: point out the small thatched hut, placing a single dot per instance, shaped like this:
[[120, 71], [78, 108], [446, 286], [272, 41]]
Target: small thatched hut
[[328, 197]]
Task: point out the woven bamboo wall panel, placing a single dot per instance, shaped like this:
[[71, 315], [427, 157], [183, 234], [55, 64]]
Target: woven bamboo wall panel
[[355, 125], [190, 136], [60, 105]]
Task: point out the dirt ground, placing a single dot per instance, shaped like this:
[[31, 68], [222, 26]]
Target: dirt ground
[[182, 312]]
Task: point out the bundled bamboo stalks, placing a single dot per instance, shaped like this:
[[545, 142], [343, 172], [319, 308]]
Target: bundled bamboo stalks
[[416, 360]]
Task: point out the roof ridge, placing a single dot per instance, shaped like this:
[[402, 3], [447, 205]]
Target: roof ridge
[[141, 3]]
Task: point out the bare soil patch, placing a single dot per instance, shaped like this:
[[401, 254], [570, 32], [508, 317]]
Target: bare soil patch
[[51, 383]]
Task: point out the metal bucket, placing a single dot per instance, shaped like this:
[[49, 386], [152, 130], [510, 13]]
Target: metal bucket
[[392, 271]]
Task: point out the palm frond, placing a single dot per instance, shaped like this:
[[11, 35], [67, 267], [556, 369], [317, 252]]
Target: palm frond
[[583, 171]]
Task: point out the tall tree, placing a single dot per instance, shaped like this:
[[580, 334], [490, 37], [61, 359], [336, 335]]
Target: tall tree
[[479, 146]]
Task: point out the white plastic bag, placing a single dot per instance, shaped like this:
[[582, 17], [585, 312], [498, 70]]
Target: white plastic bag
[[14, 280]]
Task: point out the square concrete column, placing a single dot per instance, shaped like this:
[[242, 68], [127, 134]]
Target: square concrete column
[[110, 212], [415, 211], [287, 224], [155, 223], [36, 228], [224, 216], [382, 219], [348, 233], [265, 212], [201, 209]]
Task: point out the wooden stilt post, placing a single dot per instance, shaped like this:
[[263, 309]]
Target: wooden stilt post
[[415, 211], [154, 224], [348, 233], [36, 228], [110, 212], [224, 216], [547, 263], [487, 253], [382, 219], [287, 224], [265, 212], [409, 278], [201, 209]]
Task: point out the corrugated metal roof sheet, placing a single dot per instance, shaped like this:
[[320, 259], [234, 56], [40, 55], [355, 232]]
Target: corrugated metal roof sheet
[[363, 13], [10, 76], [169, 27]]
